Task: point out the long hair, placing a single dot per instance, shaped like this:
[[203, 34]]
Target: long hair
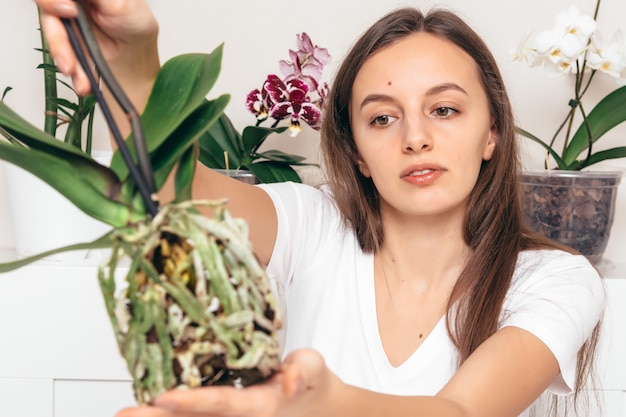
[[493, 223]]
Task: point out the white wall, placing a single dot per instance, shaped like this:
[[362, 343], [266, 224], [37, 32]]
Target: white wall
[[258, 34]]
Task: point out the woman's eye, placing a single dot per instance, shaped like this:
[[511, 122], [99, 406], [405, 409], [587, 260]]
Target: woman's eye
[[444, 112], [383, 120]]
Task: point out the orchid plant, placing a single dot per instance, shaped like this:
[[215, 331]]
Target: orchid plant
[[575, 47], [298, 96], [194, 307]]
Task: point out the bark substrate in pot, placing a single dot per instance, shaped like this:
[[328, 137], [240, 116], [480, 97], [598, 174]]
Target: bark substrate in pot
[[575, 208]]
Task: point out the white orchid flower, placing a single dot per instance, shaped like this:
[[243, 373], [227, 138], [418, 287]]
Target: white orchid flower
[[572, 47], [559, 51], [529, 55], [608, 57], [573, 22], [545, 42], [565, 44]]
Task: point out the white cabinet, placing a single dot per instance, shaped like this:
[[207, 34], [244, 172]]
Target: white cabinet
[[93, 398], [26, 397], [612, 356], [58, 356]]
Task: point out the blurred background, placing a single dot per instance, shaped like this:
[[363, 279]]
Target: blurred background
[[256, 35]]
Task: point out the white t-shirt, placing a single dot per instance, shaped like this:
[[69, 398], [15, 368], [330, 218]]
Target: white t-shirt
[[327, 286]]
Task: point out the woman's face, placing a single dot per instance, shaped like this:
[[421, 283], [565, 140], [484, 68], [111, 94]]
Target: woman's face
[[421, 122]]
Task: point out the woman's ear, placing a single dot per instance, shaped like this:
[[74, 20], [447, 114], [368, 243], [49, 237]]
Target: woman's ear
[[491, 143], [363, 167]]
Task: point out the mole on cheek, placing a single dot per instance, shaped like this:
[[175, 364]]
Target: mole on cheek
[[388, 82]]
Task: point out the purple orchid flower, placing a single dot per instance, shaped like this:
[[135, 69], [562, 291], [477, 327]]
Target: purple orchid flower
[[290, 99], [300, 95], [307, 62], [259, 104]]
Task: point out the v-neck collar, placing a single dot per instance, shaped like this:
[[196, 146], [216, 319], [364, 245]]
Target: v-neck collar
[[367, 301]]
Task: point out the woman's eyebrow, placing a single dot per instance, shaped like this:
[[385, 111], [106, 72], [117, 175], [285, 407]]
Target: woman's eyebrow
[[371, 98], [445, 87]]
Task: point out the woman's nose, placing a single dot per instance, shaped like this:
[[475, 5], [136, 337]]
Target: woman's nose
[[417, 136]]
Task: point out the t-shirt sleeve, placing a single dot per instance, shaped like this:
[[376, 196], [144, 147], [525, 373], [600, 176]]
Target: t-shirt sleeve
[[560, 298], [302, 217]]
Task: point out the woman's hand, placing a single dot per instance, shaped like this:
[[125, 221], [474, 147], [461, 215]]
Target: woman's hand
[[303, 387], [126, 31]]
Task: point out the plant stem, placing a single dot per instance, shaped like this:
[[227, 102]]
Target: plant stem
[[595, 13], [50, 87], [89, 138], [570, 122], [569, 117], [580, 94], [74, 131]]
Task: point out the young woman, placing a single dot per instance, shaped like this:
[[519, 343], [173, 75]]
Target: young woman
[[411, 286]]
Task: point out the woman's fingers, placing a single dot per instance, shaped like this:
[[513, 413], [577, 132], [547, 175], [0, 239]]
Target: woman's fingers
[[61, 8], [58, 42], [126, 32], [142, 411], [302, 370]]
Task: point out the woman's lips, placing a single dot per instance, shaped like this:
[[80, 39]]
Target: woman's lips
[[423, 176]]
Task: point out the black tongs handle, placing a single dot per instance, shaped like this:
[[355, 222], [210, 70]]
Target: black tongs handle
[[143, 175]]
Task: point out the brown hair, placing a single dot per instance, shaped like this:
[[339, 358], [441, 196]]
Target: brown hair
[[493, 226]]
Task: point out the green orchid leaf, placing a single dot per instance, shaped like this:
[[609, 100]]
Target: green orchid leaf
[[268, 172], [607, 114], [184, 175], [62, 110], [66, 104], [47, 67], [88, 185], [613, 153], [280, 156], [33, 137], [179, 89], [12, 139], [92, 172], [231, 133], [103, 242], [553, 154], [68, 85], [205, 157], [254, 136], [92, 187], [209, 160], [16, 128], [220, 139], [89, 102], [164, 159], [4, 93]]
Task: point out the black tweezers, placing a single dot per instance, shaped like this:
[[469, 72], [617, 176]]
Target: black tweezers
[[79, 32]]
